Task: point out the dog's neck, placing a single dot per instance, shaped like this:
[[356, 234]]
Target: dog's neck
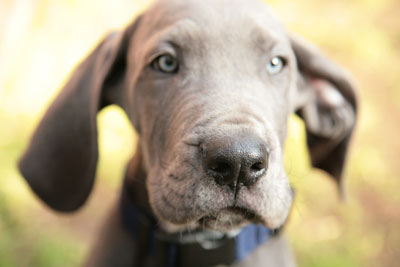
[[156, 247], [135, 183]]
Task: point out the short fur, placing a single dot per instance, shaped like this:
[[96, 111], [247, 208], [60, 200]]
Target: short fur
[[221, 91]]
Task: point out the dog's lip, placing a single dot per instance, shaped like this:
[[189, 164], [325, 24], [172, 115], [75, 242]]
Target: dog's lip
[[245, 213]]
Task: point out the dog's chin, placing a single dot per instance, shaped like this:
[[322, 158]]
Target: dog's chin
[[229, 219], [225, 220]]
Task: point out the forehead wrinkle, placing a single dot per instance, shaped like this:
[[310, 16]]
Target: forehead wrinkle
[[186, 22], [263, 39], [180, 33], [188, 32]]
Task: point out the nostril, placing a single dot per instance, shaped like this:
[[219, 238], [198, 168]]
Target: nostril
[[220, 167], [258, 166], [222, 172], [251, 174]]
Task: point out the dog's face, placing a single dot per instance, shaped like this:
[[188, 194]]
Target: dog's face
[[214, 81], [209, 86]]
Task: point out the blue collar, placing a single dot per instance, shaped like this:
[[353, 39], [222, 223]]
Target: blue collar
[[194, 249]]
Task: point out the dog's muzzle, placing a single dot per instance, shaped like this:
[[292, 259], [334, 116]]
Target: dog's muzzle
[[190, 248]]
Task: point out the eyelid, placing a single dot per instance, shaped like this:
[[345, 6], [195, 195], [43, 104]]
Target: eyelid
[[281, 57], [162, 49]]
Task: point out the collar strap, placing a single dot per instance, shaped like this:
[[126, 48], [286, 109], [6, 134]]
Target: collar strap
[[195, 249]]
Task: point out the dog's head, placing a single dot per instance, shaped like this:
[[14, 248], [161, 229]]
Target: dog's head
[[209, 86]]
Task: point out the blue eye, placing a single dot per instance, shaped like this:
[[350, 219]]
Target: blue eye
[[165, 63], [275, 65]]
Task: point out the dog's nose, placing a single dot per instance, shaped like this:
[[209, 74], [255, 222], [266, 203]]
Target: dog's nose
[[235, 161]]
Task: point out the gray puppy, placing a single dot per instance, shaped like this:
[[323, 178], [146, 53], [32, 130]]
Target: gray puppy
[[208, 85]]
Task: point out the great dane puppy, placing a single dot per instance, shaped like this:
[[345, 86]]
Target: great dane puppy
[[208, 85]]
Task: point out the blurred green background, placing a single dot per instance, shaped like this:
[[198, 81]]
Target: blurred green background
[[42, 40]]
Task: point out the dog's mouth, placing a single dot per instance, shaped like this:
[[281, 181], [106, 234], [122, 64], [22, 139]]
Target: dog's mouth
[[230, 218]]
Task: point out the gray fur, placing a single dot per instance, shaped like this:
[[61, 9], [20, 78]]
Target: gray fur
[[222, 90]]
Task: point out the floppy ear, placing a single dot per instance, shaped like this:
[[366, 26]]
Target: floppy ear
[[326, 101], [60, 162]]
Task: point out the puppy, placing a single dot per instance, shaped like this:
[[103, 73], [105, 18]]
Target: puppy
[[208, 85]]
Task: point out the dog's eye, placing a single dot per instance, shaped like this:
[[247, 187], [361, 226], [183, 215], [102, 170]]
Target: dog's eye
[[165, 63], [275, 65]]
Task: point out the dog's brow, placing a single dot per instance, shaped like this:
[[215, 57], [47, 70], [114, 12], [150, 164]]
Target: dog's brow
[[263, 39], [180, 32], [187, 31]]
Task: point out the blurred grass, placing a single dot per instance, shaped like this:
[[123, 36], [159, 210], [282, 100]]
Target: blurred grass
[[42, 40]]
